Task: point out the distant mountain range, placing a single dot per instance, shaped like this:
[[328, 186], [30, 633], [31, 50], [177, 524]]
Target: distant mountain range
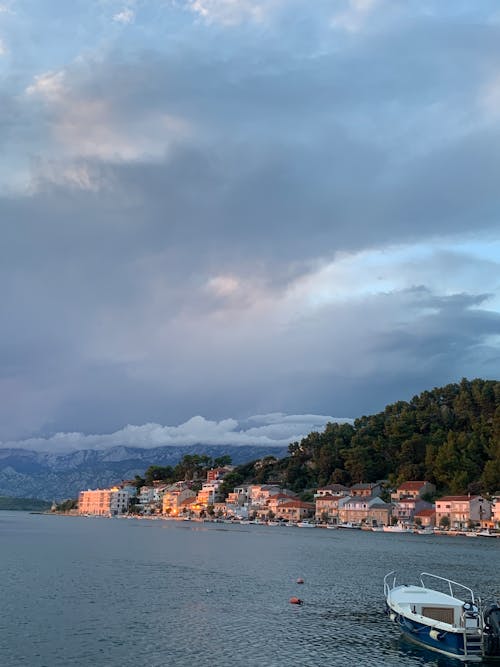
[[29, 474]]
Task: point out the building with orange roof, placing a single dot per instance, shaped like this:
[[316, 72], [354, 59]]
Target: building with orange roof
[[426, 517], [460, 511], [294, 510], [413, 489], [365, 490]]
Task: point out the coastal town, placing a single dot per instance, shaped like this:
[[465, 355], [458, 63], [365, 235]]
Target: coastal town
[[334, 506]]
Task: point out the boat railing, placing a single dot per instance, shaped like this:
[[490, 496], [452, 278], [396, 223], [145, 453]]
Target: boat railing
[[387, 585], [450, 583]]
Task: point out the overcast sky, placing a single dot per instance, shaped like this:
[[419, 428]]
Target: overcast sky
[[227, 208]]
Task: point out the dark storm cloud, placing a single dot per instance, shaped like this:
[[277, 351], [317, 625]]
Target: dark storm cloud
[[174, 199]]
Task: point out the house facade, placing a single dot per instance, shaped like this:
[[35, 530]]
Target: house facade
[[365, 490], [405, 509], [426, 517], [103, 502], [173, 497], [294, 510], [413, 489], [495, 512], [370, 510], [327, 507], [459, 511]]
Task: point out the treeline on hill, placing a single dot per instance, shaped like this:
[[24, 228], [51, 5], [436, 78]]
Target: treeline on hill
[[449, 436], [191, 467]]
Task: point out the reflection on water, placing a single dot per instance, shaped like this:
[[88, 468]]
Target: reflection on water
[[427, 657], [117, 593]]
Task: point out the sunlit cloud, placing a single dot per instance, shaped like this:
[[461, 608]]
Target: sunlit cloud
[[276, 430]]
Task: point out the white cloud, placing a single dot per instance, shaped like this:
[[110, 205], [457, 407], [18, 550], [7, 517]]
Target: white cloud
[[276, 429], [233, 12], [3, 48], [49, 86], [92, 125], [126, 16]]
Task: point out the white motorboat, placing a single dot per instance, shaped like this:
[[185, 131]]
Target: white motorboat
[[453, 623]]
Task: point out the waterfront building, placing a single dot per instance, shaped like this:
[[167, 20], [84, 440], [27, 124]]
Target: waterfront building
[[495, 512], [371, 510], [188, 507], [460, 511], [103, 502], [294, 510], [259, 494], [209, 493], [173, 497], [412, 489], [327, 507], [238, 496], [270, 507], [405, 509], [426, 517], [146, 500]]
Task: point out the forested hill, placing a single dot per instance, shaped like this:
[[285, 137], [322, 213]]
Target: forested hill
[[450, 436]]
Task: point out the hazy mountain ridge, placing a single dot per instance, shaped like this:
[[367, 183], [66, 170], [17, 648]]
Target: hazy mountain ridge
[[26, 473]]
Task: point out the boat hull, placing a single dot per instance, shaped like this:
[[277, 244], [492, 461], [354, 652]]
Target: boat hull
[[446, 643]]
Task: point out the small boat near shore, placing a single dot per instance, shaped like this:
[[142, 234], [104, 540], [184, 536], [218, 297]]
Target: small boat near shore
[[453, 623], [398, 529]]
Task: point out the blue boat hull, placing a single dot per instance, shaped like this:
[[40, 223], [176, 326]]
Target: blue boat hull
[[447, 643]]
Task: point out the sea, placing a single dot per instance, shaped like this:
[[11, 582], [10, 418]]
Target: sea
[[92, 592]]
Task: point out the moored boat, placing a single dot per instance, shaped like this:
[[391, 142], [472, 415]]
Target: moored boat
[[452, 623], [398, 529]]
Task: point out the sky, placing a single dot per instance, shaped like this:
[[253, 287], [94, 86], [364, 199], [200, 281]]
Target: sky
[[219, 211]]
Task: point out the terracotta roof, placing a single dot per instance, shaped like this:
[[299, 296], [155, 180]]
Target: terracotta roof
[[412, 486], [427, 512], [461, 498], [188, 501]]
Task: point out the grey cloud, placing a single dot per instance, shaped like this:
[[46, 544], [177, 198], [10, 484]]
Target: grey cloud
[[293, 155]]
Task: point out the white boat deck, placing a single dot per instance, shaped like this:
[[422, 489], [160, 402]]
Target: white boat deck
[[430, 607]]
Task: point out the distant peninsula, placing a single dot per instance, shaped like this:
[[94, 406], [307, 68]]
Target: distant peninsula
[[23, 504]]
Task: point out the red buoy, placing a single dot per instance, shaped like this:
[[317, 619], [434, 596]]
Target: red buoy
[[295, 600], [300, 581]]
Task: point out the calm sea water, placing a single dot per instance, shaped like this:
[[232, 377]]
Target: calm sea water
[[81, 592]]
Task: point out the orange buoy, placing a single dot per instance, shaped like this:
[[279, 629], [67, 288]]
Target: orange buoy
[[300, 580], [295, 600]]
